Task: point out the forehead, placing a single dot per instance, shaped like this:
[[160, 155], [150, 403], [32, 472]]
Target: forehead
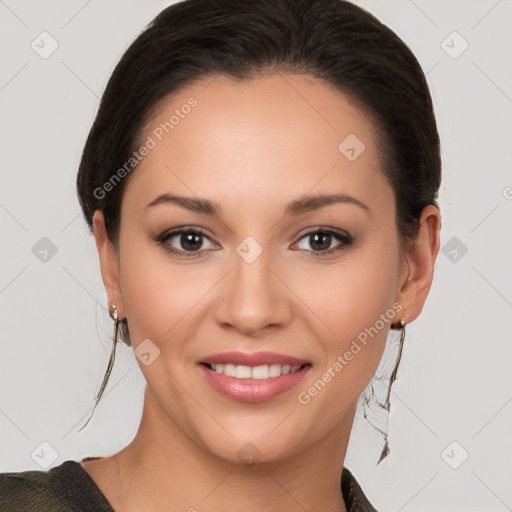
[[262, 139]]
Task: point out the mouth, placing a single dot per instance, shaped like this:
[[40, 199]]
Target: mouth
[[263, 376]]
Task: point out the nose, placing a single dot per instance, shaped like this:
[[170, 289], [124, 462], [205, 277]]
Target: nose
[[254, 297]]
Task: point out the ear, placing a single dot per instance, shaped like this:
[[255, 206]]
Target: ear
[[109, 263], [420, 257]]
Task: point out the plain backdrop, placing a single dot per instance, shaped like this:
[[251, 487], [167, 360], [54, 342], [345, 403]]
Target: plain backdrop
[[451, 411]]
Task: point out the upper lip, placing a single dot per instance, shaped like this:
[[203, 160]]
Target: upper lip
[[254, 359]]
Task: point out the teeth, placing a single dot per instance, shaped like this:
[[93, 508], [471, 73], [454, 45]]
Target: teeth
[[257, 372], [242, 372]]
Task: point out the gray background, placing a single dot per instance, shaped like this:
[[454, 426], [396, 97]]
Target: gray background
[[454, 384]]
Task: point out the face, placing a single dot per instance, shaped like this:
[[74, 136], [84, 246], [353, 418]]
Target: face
[[259, 265]]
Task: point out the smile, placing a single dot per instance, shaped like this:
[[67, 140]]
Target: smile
[[252, 377]]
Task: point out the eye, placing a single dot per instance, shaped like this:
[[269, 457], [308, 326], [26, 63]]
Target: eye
[[321, 240], [189, 242]]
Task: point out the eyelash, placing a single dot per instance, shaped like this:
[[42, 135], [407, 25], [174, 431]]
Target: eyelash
[[346, 239]]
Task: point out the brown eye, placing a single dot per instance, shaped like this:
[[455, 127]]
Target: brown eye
[[185, 242], [190, 241], [321, 240]]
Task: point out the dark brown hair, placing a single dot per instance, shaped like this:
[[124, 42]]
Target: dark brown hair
[[332, 40]]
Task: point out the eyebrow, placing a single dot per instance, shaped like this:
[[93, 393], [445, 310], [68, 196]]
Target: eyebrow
[[296, 207]]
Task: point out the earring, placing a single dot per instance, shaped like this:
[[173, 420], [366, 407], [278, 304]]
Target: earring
[[386, 405], [395, 370], [114, 315]]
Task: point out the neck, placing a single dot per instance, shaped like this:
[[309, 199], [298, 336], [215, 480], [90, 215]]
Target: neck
[[163, 465]]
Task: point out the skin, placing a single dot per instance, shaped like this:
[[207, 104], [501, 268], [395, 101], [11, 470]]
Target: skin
[[252, 147]]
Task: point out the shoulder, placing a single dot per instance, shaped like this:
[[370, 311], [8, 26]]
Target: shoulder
[[66, 487], [353, 495]]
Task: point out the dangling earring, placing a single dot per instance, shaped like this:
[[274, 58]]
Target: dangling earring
[[386, 405], [395, 370], [114, 315]]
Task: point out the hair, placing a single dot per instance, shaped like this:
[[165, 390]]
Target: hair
[[335, 41]]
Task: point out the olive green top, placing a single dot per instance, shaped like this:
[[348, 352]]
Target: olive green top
[[69, 488]]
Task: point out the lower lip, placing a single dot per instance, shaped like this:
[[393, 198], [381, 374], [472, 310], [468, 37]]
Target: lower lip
[[253, 390]]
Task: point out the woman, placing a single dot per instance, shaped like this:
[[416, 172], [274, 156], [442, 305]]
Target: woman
[[261, 181]]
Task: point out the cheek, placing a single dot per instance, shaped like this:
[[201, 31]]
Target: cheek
[[354, 304], [156, 294], [357, 307], [351, 297]]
